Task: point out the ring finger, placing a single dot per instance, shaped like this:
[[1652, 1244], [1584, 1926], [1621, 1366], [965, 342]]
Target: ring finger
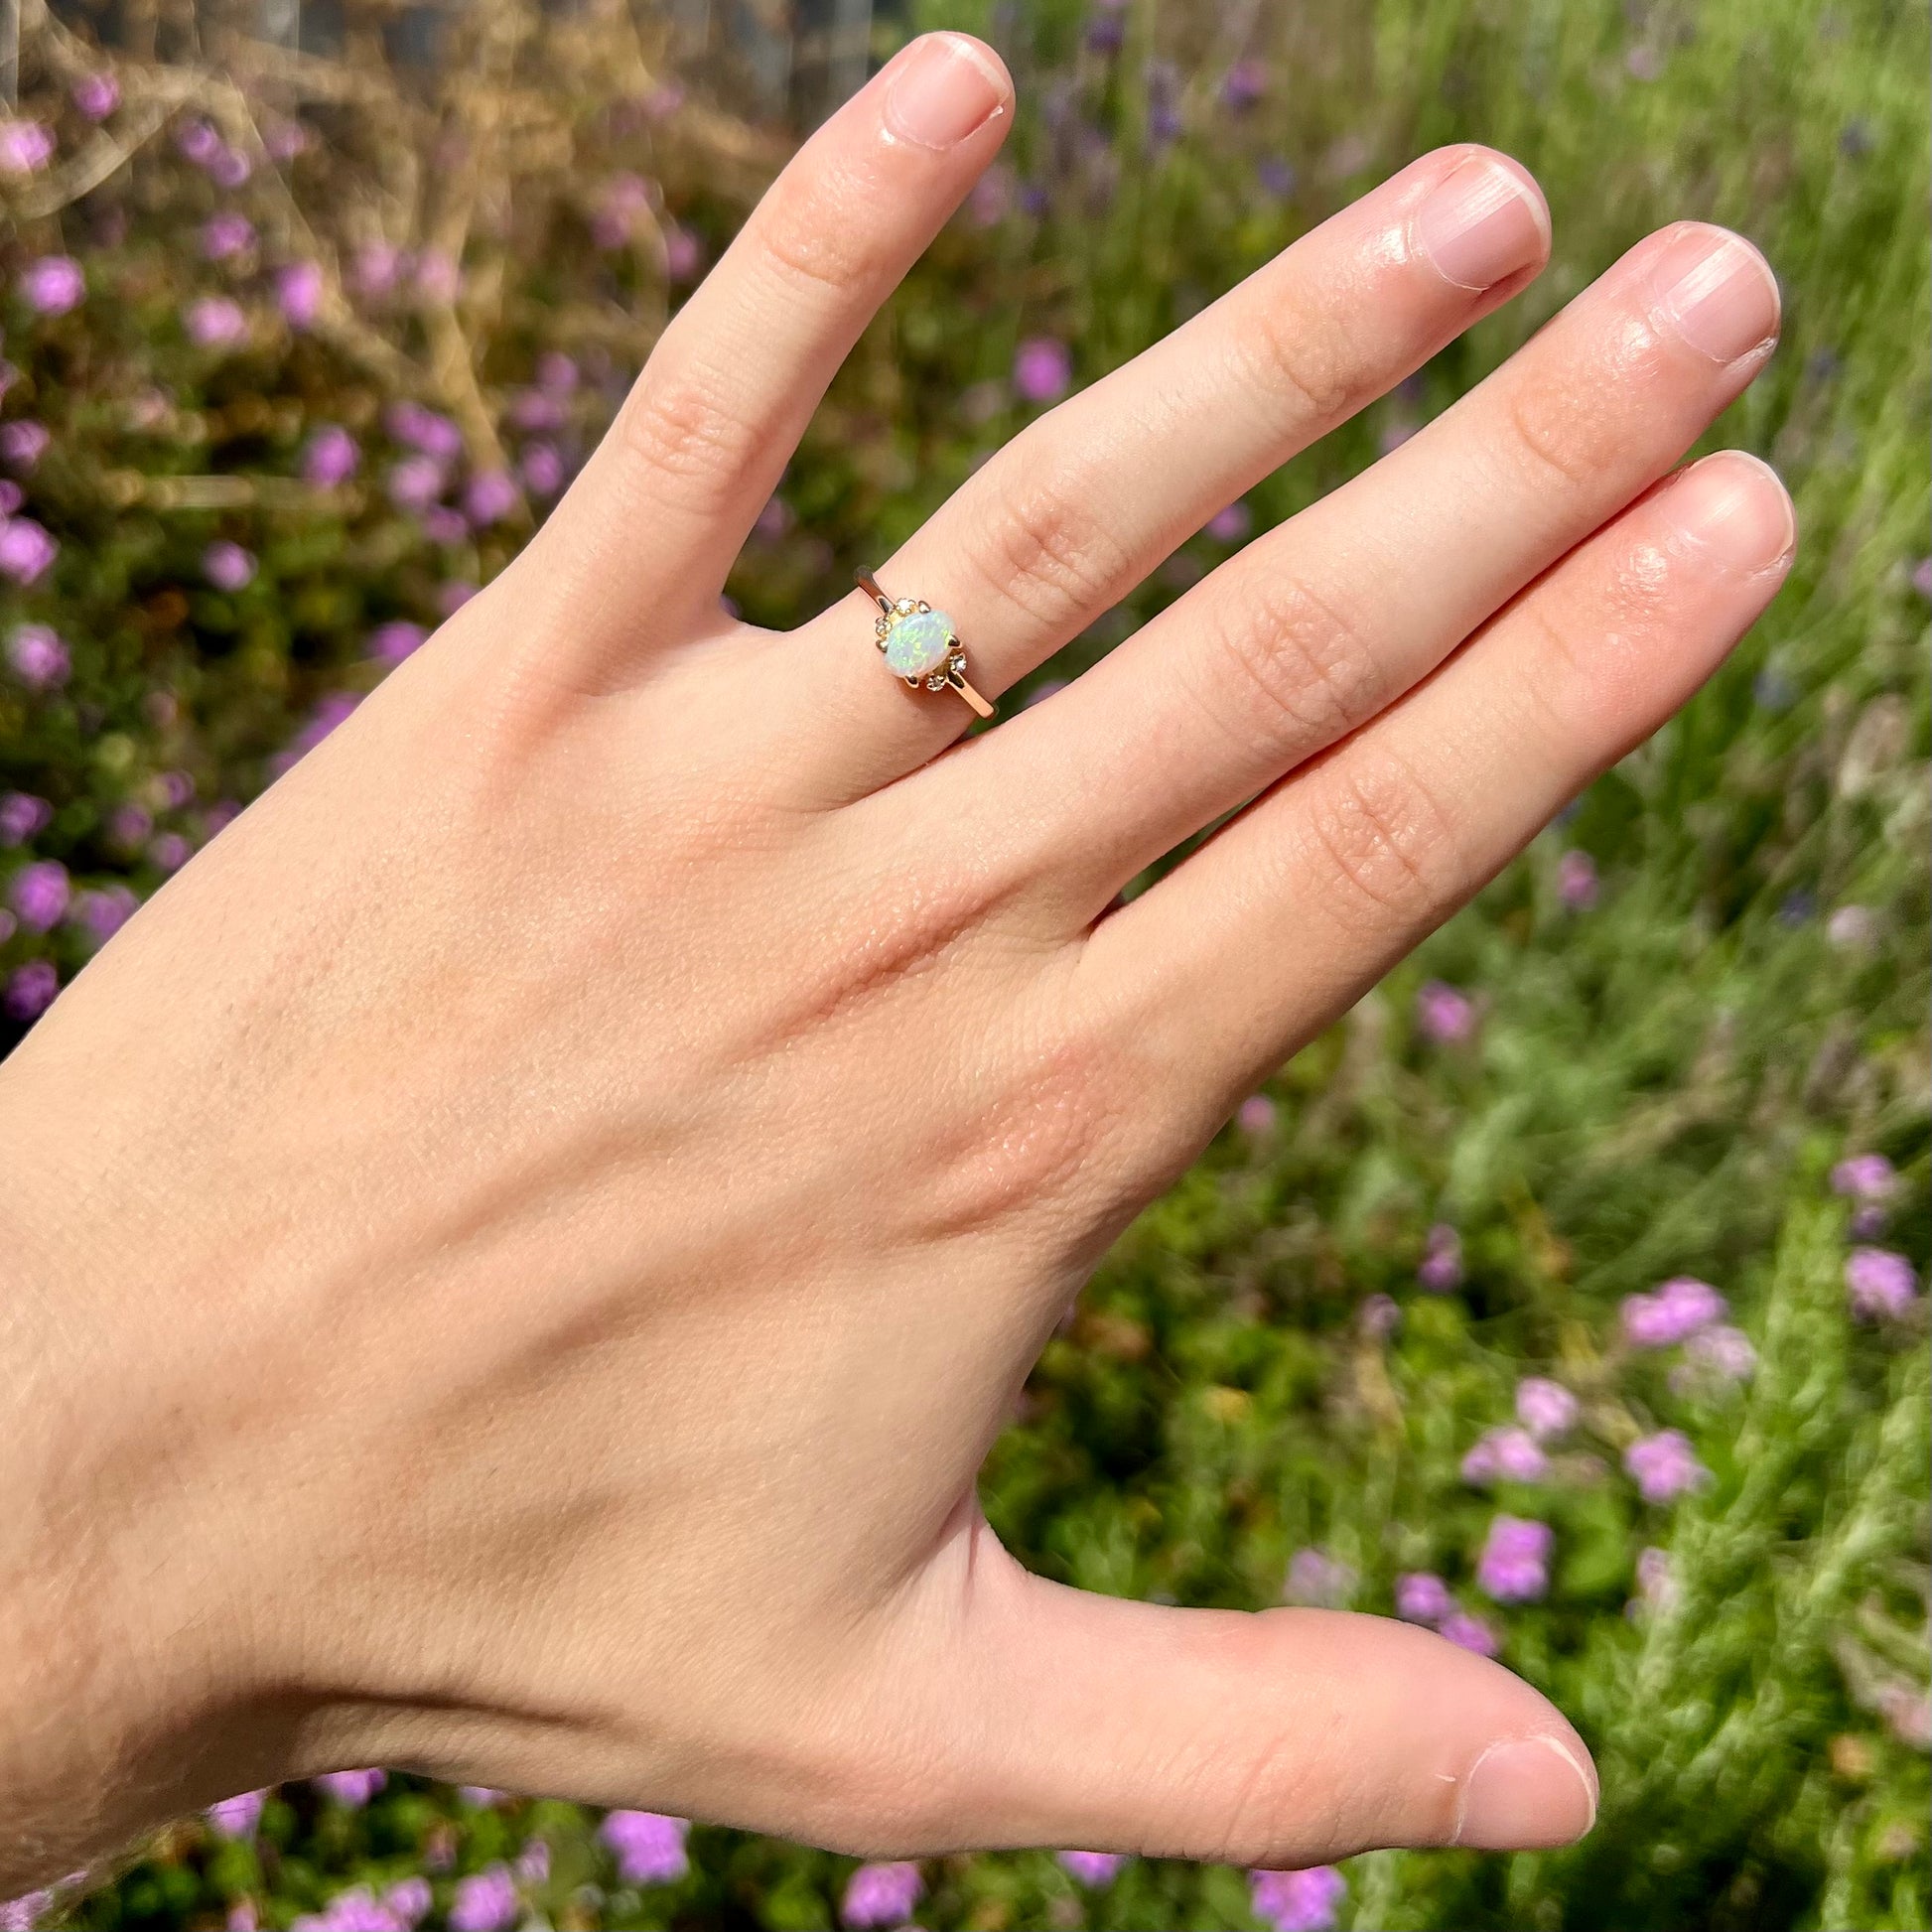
[[1065, 521]]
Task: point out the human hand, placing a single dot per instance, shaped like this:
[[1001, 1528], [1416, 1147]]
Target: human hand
[[515, 1255]]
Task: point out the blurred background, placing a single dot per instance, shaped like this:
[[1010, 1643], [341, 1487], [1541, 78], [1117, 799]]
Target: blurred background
[[1567, 1297]]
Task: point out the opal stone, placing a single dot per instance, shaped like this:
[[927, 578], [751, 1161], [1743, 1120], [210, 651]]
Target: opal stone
[[918, 644]]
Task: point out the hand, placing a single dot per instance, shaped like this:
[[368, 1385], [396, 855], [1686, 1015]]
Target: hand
[[515, 1255]]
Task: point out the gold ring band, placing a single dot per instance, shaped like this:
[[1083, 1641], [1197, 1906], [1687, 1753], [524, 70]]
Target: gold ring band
[[920, 644]]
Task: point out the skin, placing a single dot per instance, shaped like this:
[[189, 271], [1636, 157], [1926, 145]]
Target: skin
[[514, 1257]]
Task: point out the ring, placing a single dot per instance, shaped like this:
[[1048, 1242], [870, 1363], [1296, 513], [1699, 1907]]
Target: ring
[[920, 644]]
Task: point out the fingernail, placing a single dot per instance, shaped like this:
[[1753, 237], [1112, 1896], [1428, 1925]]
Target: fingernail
[[1735, 506], [945, 87], [1719, 293], [1524, 1794], [1484, 222]]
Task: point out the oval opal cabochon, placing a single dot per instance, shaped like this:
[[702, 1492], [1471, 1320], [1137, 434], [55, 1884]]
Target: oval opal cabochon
[[918, 644]]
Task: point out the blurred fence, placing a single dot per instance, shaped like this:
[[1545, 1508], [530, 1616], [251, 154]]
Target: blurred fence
[[789, 60]]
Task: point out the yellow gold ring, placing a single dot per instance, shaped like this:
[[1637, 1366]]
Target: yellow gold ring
[[919, 644]]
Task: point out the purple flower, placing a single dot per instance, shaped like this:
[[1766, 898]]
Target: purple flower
[[1314, 1578], [19, 1914], [1256, 1115], [298, 294], [1042, 370], [284, 140], [228, 566], [482, 1796], [1506, 1455], [1232, 524], [97, 95], [683, 254], [1922, 577], [1468, 1632], [415, 482], [229, 167], [1723, 1352], [534, 1861], [243, 1917], [1298, 1901], [534, 409], [881, 1895], [238, 1816], [438, 276], [25, 147], [25, 551], [358, 1911], [1378, 1317], [128, 825], [1673, 1314], [1445, 1013], [375, 268], [170, 851], [352, 1789], [391, 643], [556, 373], [542, 469], [198, 142], [1090, 1869], [102, 911], [1243, 85], [1878, 1282], [454, 595], [1664, 1466], [214, 321], [30, 990], [648, 1846], [1275, 176], [1865, 1177], [1422, 1596], [1106, 31], [1545, 1408], [1577, 880], [1514, 1564], [53, 285], [22, 814], [485, 1902], [332, 457], [489, 496], [1441, 1268], [38, 657], [226, 234], [1909, 1714], [445, 526], [11, 494], [40, 893], [409, 1899]]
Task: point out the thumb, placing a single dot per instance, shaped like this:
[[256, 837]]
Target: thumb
[[1278, 1739]]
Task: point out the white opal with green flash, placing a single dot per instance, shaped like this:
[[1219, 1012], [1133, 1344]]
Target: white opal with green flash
[[918, 644]]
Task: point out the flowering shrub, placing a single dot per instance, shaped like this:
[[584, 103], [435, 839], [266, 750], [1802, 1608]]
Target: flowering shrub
[[1568, 1299]]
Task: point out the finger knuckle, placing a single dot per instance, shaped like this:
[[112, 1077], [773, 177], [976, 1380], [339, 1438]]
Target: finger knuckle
[[681, 427], [1298, 366], [1300, 659], [1386, 843], [1050, 554], [1558, 429], [811, 239]]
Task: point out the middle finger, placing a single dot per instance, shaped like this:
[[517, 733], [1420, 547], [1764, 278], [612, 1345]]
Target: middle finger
[[1319, 624]]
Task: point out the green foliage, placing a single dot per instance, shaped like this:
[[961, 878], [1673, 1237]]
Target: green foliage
[[1657, 1084]]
